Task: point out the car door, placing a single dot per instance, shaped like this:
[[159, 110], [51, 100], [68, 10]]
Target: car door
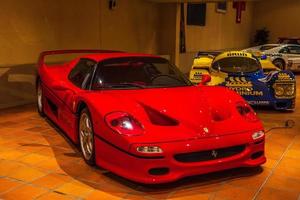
[[80, 77]]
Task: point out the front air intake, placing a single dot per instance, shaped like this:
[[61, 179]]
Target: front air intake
[[209, 154]]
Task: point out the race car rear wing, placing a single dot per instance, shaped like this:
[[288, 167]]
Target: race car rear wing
[[44, 54], [208, 53]]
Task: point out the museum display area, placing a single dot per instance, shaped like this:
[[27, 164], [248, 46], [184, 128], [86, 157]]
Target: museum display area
[[92, 105]]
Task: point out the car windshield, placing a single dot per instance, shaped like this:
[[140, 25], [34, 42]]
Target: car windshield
[[237, 65], [137, 73], [267, 47]]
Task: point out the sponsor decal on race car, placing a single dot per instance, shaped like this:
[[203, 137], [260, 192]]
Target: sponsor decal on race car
[[230, 54], [197, 76], [242, 86], [259, 102], [284, 77]]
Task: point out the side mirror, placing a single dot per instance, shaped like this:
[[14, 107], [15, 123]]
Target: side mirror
[[205, 79], [60, 86], [263, 57]]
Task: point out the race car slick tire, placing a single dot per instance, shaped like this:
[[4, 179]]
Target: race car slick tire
[[279, 63], [86, 137], [40, 98]]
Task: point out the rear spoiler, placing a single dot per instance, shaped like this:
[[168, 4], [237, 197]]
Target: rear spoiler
[[208, 53], [69, 51]]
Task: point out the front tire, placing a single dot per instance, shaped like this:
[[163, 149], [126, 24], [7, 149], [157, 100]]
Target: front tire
[[40, 98], [86, 137], [279, 63]]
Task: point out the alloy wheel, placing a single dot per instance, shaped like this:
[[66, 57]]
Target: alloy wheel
[[86, 136]]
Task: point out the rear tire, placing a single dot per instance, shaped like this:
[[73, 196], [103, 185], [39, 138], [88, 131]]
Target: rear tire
[[86, 137], [279, 63], [40, 98]]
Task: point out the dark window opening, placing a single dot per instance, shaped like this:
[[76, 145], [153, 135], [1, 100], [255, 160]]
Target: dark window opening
[[81, 74], [137, 73], [196, 13], [284, 50], [294, 49], [237, 65]]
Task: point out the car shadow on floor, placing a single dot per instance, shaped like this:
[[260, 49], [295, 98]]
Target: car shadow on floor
[[17, 85], [69, 159]]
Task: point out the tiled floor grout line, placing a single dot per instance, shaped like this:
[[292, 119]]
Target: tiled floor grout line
[[16, 180], [23, 184], [31, 184], [48, 189], [31, 166], [216, 191], [54, 190], [271, 133], [171, 193], [272, 171], [125, 196]]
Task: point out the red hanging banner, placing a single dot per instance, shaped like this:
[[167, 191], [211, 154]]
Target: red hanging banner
[[239, 6]]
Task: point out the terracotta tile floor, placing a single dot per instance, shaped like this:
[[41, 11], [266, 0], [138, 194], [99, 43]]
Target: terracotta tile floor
[[38, 162]]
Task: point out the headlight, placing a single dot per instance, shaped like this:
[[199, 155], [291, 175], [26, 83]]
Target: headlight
[[246, 111], [257, 135], [284, 90], [279, 91], [290, 90], [124, 124]]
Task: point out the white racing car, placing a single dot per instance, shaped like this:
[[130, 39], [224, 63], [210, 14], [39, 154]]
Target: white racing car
[[294, 64], [284, 56]]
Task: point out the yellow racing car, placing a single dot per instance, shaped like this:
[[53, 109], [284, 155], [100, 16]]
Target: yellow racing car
[[255, 78], [203, 61]]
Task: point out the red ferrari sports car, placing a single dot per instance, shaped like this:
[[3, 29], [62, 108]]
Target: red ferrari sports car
[[138, 116]]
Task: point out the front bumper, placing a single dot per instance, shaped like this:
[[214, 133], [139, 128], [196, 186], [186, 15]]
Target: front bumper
[[138, 168]]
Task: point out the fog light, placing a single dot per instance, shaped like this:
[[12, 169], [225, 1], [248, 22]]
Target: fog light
[[290, 90], [257, 135], [149, 149], [279, 91]]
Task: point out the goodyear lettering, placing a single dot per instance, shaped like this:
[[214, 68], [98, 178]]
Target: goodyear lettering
[[237, 54], [242, 86]]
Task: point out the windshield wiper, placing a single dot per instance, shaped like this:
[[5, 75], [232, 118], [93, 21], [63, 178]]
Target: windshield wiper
[[122, 85]]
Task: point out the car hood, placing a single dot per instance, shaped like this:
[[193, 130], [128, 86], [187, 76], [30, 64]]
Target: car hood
[[200, 111]]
